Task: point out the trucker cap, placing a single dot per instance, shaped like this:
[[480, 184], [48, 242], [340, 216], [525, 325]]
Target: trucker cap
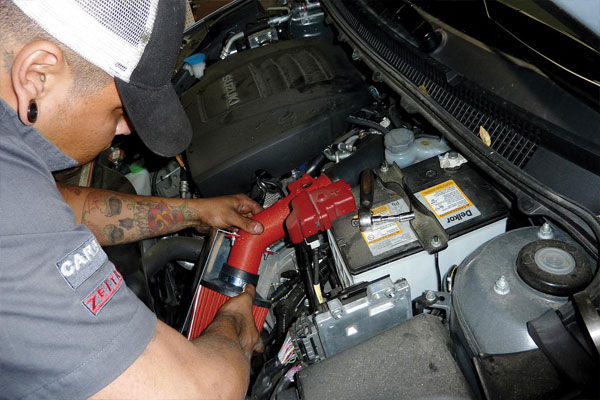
[[137, 43]]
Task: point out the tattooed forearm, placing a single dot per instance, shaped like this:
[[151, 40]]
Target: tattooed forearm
[[153, 218], [117, 218]]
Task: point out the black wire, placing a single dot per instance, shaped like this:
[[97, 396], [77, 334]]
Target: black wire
[[153, 189], [305, 271], [367, 123], [316, 269], [438, 272]]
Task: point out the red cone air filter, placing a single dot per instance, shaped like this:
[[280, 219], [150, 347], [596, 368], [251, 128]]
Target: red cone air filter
[[209, 302]]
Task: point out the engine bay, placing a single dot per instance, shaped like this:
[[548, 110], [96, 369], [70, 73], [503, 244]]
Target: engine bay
[[391, 265]]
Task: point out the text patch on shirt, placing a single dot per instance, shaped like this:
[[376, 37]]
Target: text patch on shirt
[[103, 292], [77, 266]]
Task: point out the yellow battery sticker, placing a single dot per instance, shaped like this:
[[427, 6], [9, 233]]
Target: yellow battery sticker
[[449, 203], [389, 235], [445, 198], [382, 231]]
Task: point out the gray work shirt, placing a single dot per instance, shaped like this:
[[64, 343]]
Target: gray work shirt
[[68, 323]]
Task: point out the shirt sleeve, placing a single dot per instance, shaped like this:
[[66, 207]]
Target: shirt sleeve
[[70, 325]]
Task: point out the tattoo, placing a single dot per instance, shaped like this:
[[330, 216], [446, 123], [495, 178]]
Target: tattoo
[[126, 223], [155, 218], [113, 233], [118, 219], [114, 206]]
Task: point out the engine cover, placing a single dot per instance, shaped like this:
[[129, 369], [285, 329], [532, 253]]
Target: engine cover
[[270, 108]]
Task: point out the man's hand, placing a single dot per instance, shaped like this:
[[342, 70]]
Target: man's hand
[[215, 365], [238, 311], [229, 211]]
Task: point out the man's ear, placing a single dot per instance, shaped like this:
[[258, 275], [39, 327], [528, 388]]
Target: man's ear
[[37, 70]]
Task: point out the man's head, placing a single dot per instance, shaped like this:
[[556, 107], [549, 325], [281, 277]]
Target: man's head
[[75, 60]]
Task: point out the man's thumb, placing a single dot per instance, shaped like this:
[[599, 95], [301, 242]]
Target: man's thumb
[[251, 226], [250, 289]]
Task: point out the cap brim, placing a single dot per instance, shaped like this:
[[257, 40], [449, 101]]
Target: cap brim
[[158, 118]]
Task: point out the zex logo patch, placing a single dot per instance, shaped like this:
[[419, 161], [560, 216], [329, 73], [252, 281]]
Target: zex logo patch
[[449, 203], [77, 266], [98, 298]]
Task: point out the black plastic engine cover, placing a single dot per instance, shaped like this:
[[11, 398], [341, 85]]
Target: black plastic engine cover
[[269, 108]]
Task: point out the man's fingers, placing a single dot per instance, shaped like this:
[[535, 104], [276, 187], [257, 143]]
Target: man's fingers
[[259, 347], [250, 226], [255, 208], [248, 205]]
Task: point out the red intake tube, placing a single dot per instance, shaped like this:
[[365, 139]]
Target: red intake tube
[[314, 204], [248, 249]]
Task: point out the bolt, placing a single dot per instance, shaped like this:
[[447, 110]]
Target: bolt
[[384, 167], [336, 314], [501, 286], [355, 55], [545, 231], [430, 296], [436, 242], [390, 293], [430, 173], [453, 155], [306, 303]]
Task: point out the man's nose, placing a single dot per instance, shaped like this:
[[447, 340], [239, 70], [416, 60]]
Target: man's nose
[[123, 127]]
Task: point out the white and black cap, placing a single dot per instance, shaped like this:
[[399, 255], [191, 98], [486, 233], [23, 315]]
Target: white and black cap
[[137, 43]]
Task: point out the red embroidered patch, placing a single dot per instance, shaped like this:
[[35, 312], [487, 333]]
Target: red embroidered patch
[[103, 293]]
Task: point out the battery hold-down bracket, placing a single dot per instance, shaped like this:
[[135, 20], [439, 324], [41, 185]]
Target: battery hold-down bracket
[[426, 226]]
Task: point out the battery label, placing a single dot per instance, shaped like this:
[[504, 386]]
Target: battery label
[[449, 203], [389, 235]]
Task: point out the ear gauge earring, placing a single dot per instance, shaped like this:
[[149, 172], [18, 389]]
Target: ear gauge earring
[[43, 77], [32, 112]]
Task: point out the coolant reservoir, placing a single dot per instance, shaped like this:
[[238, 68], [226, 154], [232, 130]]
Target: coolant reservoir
[[402, 148], [430, 146], [399, 147]]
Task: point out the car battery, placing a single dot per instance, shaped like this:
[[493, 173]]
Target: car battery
[[464, 202]]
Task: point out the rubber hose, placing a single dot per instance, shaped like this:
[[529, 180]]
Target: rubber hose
[[283, 289], [367, 124], [315, 165], [173, 248], [394, 116], [370, 154]]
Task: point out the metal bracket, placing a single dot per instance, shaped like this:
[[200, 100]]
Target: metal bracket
[[426, 226]]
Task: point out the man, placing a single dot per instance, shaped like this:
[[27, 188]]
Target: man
[[72, 73]]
